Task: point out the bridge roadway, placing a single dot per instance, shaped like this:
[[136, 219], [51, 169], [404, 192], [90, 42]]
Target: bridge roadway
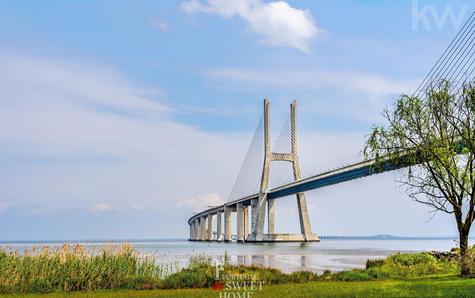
[[359, 170]]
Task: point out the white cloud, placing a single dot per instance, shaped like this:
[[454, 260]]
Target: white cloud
[[157, 23], [371, 84], [73, 82], [79, 133], [277, 23], [348, 95], [200, 203], [76, 136], [100, 207]]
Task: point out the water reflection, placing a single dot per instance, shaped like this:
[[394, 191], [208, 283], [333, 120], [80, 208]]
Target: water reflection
[[303, 263], [293, 263], [258, 260]]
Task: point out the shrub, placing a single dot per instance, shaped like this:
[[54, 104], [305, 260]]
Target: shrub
[[374, 263], [377, 273], [187, 279], [143, 283], [417, 264], [326, 275], [272, 276], [411, 259]]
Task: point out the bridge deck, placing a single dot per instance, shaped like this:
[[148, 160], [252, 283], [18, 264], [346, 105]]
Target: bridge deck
[[351, 172]]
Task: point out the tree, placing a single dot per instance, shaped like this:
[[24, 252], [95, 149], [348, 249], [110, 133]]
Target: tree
[[432, 138]]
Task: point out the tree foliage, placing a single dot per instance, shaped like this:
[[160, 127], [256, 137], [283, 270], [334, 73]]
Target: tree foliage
[[434, 137]]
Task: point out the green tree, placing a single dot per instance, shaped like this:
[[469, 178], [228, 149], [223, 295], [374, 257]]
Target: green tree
[[433, 139]]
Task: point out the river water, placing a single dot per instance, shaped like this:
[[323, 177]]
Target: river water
[[334, 255]]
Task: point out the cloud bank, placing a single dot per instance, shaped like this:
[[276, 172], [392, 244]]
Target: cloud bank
[[83, 138], [277, 23]]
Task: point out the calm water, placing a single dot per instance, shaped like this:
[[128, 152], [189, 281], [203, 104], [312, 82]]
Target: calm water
[[328, 254]]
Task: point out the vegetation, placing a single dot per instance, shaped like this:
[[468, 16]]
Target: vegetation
[[401, 266], [74, 268], [434, 137]]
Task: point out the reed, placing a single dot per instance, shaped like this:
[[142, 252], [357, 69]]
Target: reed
[[75, 268]]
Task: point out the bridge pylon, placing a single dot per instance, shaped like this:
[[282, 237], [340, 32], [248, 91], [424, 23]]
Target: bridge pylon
[[258, 209]]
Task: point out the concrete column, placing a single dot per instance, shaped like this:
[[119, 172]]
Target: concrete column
[[191, 231], [271, 216], [205, 228], [246, 223], [195, 230], [261, 214], [240, 222], [219, 232], [258, 229], [210, 227], [305, 228], [198, 228], [202, 228], [253, 214], [227, 224], [301, 201]]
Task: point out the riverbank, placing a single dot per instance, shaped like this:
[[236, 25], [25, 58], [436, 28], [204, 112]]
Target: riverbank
[[330, 254], [73, 271]]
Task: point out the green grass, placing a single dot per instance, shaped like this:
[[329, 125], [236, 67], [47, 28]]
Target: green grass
[[399, 266], [72, 271], [72, 268], [432, 287]]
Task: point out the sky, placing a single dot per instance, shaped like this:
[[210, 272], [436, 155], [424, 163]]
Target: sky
[[118, 119]]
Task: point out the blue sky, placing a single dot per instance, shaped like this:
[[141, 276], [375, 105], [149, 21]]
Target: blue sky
[[119, 118]]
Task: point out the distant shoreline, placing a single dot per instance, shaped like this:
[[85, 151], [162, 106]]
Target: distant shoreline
[[329, 237]]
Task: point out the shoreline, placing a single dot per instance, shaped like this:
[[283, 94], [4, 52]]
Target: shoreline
[[334, 255]]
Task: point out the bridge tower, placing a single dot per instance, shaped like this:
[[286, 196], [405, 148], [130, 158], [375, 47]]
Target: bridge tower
[[258, 209]]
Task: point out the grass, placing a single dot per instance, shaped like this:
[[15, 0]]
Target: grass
[[400, 266], [73, 271], [73, 268], [429, 287]]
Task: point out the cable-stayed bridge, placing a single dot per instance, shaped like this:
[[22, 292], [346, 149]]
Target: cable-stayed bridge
[[270, 172]]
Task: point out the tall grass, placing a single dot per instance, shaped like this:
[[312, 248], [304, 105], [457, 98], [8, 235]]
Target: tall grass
[[74, 268]]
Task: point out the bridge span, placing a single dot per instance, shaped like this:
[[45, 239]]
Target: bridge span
[[456, 65], [262, 204]]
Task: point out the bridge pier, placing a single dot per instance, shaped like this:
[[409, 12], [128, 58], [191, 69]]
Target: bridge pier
[[240, 222], [219, 232], [210, 227], [227, 224], [192, 231], [246, 222], [196, 230], [253, 216], [198, 225], [271, 216], [204, 230]]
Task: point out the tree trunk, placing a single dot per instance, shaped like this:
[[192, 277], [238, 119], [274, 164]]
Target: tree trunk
[[464, 255]]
